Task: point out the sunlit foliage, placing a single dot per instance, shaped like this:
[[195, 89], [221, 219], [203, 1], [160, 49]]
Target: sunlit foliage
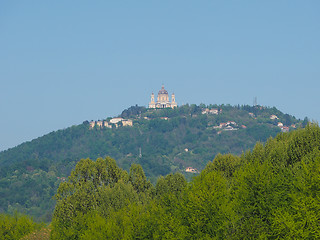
[[271, 192]]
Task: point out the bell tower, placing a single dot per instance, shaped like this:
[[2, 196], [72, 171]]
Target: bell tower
[[152, 103], [173, 101]]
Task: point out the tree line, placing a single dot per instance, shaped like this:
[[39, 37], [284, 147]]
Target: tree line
[[270, 192]]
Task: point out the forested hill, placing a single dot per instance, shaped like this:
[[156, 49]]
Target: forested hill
[[161, 140], [271, 192]]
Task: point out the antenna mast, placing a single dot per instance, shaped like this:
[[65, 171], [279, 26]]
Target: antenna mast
[[255, 102]]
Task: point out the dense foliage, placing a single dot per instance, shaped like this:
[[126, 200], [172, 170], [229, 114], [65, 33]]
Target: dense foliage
[[271, 192], [169, 140], [13, 227]]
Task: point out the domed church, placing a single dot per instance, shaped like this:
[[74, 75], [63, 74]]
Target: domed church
[[163, 100]]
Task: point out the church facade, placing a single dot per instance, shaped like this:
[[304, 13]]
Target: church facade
[[163, 100]]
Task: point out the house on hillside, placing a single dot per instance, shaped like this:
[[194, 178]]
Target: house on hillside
[[113, 122], [92, 124], [230, 128], [107, 125], [127, 122], [99, 124], [191, 170], [205, 111], [231, 123], [285, 129], [116, 120], [280, 124], [273, 117], [214, 111], [210, 111], [223, 125]]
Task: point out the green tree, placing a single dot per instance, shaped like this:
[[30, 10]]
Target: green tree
[[171, 184], [138, 178], [16, 226], [83, 193], [300, 219], [206, 208], [227, 164]]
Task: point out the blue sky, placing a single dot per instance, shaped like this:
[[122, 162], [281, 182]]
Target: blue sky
[[64, 62]]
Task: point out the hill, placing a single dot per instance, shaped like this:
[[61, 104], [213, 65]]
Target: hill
[[163, 141], [270, 192]]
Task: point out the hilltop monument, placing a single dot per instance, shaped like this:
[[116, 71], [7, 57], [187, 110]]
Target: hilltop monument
[[163, 100]]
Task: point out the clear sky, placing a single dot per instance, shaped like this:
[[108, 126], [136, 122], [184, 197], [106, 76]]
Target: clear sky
[[64, 62]]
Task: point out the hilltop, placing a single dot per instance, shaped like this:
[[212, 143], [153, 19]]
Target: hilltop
[[163, 141]]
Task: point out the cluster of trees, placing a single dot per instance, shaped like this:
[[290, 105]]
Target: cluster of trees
[[16, 226], [29, 192], [271, 192], [31, 172]]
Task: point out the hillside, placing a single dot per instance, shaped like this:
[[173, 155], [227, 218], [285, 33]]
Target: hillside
[[163, 141], [270, 192]]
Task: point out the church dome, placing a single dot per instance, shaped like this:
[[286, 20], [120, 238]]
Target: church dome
[[163, 91]]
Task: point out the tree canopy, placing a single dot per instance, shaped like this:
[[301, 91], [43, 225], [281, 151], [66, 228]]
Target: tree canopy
[[270, 192]]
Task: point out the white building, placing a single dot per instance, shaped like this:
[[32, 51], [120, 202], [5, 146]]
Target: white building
[[163, 100], [116, 120], [99, 124], [127, 122], [107, 125], [92, 124]]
